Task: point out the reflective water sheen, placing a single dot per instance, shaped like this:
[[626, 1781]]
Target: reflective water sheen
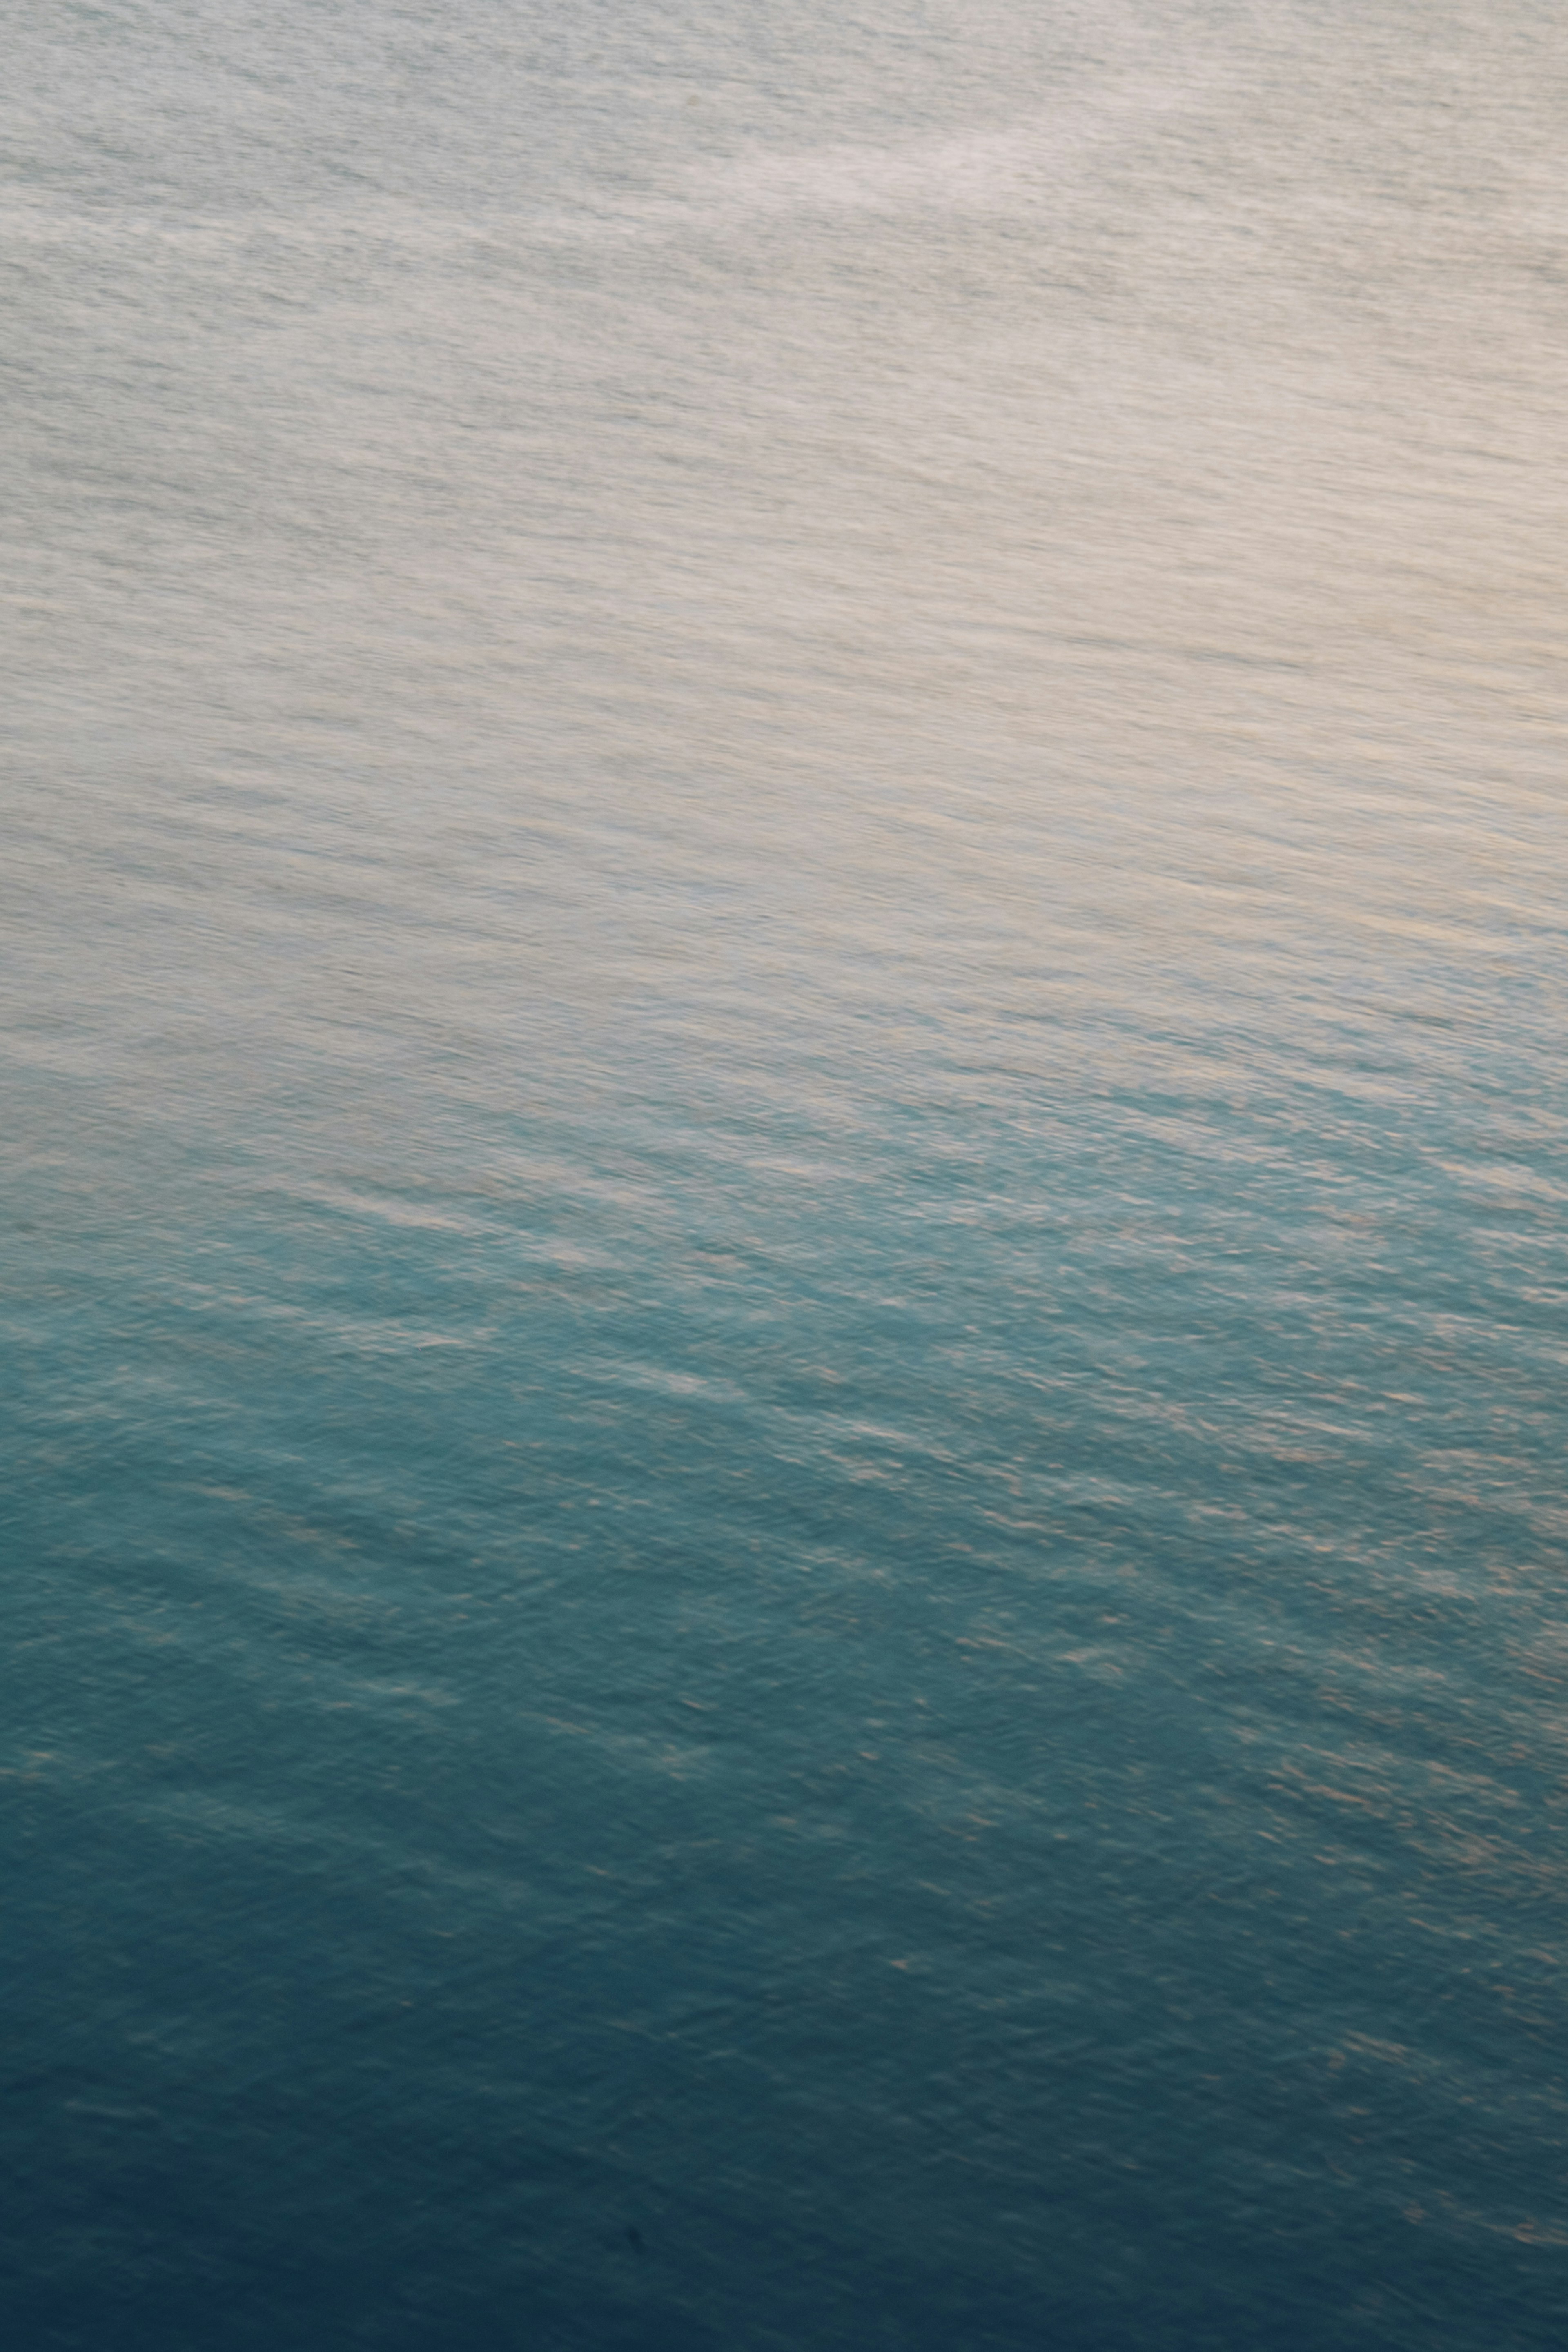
[[783, 1364]]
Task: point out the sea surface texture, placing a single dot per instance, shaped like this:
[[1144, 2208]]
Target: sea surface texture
[[784, 885]]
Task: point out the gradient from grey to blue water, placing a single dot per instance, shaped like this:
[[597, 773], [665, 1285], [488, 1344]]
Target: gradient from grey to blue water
[[784, 895]]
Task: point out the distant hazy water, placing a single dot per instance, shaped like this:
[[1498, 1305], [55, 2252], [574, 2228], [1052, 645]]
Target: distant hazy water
[[784, 891]]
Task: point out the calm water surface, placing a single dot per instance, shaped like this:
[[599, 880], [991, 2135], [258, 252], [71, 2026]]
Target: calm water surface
[[783, 1176]]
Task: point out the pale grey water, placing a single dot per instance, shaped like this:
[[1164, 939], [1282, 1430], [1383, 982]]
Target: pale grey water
[[784, 945]]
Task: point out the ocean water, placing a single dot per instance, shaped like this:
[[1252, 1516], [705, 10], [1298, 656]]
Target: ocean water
[[783, 1348]]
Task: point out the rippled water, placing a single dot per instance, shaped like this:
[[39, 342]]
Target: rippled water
[[785, 900]]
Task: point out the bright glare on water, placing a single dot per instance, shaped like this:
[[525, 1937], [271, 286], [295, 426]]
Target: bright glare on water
[[783, 1362]]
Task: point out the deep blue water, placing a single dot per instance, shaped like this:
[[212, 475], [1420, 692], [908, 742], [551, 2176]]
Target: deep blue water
[[785, 901]]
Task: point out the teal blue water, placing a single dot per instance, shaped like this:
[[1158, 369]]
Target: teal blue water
[[782, 1374]]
